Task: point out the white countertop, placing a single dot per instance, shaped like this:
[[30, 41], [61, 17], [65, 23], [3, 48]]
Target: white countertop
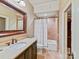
[[11, 52]]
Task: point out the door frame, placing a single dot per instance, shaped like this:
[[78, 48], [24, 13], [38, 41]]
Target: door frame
[[65, 29]]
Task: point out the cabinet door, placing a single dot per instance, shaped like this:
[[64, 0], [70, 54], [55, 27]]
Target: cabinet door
[[27, 54], [30, 52], [35, 50], [20, 56]]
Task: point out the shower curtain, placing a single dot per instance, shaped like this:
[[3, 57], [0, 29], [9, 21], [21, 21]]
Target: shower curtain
[[40, 32]]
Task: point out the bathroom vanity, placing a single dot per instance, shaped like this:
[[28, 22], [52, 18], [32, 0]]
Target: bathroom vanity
[[29, 53], [23, 49]]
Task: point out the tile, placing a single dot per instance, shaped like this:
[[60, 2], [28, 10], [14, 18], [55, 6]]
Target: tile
[[46, 54]]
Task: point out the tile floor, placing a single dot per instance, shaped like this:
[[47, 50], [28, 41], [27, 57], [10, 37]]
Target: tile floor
[[46, 54]]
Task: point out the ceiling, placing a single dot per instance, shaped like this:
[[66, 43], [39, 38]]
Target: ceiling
[[45, 7]]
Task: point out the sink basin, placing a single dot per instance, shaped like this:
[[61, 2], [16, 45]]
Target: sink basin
[[3, 47], [1, 50], [21, 43], [18, 45]]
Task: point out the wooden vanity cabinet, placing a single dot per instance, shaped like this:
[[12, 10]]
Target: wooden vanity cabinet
[[21, 56], [29, 53], [34, 48]]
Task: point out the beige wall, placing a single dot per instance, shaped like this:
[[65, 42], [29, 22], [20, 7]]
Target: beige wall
[[8, 38], [62, 27], [52, 28], [30, 17]]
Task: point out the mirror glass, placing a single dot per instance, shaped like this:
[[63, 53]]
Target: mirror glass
[[10, 19]]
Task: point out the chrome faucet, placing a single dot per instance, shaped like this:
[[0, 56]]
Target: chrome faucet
[[14, 41]]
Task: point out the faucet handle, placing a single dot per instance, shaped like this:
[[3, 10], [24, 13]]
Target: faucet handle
[[15, 40], [8, 43], [12, 41]]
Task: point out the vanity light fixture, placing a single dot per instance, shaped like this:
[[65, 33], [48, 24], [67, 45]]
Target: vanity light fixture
[[20, 2]]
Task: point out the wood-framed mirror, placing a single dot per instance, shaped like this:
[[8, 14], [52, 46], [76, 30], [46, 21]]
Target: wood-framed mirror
[[12, 19]]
